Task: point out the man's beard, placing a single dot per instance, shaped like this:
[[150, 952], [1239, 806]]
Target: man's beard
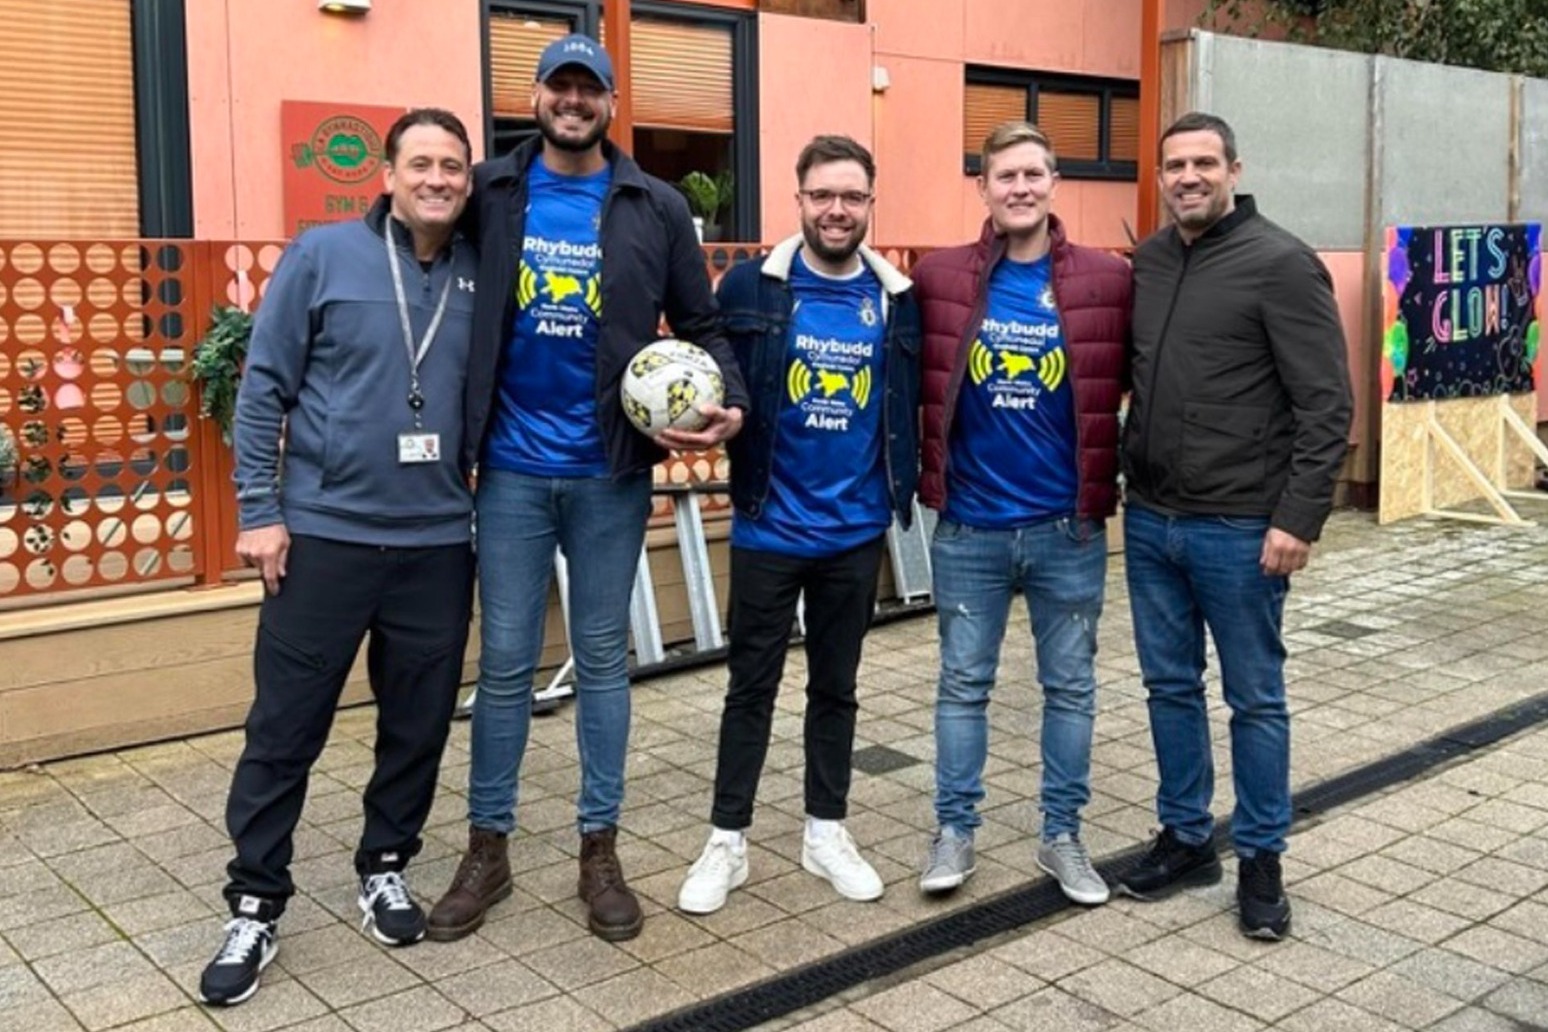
[[812, 234], [577, 145], [1201, 218]]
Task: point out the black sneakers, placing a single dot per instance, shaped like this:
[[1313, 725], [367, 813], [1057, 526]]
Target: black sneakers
[[1170, 865], [388, 912], [1260, 898], [250, 944]]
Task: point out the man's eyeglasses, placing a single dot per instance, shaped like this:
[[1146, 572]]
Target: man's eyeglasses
[[851, 199]]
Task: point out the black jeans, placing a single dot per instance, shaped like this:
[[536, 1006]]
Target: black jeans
[[840, 598], [416, 604]]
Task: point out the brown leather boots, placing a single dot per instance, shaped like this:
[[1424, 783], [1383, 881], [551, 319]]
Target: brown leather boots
[[613, 911], [482, 880]]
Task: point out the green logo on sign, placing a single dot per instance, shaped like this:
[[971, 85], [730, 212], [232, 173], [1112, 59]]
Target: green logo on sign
[[344, 148]]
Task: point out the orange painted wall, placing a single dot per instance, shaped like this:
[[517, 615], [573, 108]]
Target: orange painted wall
[[924, 45], [245, 57], [813, 77], [1348, 271], [1093, 212]]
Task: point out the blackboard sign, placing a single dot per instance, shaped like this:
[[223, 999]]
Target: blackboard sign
[[1461, 311]]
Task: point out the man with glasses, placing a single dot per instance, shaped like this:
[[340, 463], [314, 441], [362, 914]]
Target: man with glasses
[[1023, 373], [827, 334]]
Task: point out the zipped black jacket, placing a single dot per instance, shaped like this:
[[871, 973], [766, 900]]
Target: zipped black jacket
[[651, 265], [1241, 403]]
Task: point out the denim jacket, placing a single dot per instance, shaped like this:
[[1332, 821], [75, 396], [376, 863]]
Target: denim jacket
[[755, 301]]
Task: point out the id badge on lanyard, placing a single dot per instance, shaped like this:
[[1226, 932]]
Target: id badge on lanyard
[[417, 445]]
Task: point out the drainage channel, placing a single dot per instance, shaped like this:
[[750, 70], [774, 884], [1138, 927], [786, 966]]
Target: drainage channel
[[1015, 908]]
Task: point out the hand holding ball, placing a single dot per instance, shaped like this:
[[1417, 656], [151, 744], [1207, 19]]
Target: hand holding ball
[[664, 385]]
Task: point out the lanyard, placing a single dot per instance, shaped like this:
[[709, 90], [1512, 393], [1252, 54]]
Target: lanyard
[[416, 400]]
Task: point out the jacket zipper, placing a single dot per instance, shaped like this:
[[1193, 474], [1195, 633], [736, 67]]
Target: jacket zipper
[[1166, 325], [889, 370], [1069, 354]]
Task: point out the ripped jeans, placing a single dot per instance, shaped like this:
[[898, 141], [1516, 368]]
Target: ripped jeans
[[1060, 566]]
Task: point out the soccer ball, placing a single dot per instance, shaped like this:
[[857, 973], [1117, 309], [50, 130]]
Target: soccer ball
[[666, 382]]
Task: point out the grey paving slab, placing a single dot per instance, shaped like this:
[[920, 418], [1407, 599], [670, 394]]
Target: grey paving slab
[[1425, 903]]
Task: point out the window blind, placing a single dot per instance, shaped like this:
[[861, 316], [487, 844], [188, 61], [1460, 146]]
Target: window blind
[[68, 162], [1072, 122], [515, 43], [682, 75], [985, 107]]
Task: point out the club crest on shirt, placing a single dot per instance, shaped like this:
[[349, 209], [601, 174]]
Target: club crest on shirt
[[867, 311], [1046, 299]]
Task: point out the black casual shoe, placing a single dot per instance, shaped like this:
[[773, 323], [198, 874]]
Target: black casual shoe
[[233, 975], [390, 913], [1170, 865], [1260, 898]]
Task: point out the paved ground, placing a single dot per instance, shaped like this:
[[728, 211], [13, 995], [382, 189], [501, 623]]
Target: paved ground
[[1426, 906]]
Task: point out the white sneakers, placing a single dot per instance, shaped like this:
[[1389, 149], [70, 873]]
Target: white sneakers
[[827, 850], [720, 868], [831, 854]]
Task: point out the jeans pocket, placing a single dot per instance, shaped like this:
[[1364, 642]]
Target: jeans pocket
[[950, 530], [1251, 524], [1082, 529]]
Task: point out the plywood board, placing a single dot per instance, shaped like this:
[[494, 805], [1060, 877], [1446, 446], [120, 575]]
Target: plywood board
[[1475, 424]]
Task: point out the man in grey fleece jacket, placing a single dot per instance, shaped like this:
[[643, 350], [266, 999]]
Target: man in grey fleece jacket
[[356, 513]]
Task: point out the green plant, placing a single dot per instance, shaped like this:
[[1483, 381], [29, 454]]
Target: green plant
[[217, 365], [707, 195], [9, 456], [1496, 35]]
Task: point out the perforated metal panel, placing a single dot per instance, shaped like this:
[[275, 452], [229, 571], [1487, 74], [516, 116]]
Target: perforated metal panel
[[95, 340]]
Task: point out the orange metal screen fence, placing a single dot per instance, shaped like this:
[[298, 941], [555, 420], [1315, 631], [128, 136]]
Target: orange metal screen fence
[[119, 484]]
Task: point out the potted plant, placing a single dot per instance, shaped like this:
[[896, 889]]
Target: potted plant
[[10, 457], [707, 197], [217, 365]]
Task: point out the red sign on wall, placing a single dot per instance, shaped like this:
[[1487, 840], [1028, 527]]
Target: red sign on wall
[[332, 160]]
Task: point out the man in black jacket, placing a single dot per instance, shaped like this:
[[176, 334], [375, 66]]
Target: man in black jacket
[[1237, 426], [559, 465]]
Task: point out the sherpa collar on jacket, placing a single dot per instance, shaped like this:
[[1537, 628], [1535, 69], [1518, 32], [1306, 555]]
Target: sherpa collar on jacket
[[777, 265]]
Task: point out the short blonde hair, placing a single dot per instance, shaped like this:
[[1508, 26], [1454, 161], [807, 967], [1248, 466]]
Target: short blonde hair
[[1010, 134]]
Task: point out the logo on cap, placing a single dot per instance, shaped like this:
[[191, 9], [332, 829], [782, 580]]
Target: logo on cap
[[579, 50]]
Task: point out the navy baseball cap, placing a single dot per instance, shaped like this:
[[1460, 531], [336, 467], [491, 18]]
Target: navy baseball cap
[[579, 50]]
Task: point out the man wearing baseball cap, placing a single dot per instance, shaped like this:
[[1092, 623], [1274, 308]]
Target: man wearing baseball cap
[[559, 464]]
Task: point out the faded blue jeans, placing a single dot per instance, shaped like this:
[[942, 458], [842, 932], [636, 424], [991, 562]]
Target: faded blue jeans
[[1060, 566], [1186, 573], [599, 523]]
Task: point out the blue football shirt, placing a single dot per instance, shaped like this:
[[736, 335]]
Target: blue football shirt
[[1011, 458], [828, 489], [545, 420]]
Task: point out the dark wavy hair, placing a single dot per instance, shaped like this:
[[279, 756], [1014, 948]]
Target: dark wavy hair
[[438, 117], [824, 150]]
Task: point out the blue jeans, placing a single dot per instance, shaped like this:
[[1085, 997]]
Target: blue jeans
[[1060, 566], [1186, 572], [600, 525]]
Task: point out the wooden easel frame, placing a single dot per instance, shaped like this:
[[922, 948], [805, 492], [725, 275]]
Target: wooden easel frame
[[1496, 490]]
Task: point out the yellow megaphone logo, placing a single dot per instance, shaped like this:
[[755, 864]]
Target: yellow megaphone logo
[[980, 362], [1051, 369], [526, 286], [798, 382], [860, 386]]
